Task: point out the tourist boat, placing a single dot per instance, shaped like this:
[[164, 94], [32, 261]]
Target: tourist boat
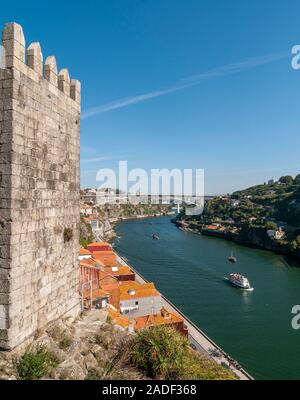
[[232, 258], [240, 281]]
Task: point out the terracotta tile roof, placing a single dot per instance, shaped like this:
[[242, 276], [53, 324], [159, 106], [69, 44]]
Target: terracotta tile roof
[[108, 258], [89, 262], [103, 274], [121, 270], [215, 228], [90, 218], [112, 286], [118, 318], [165, 317], [104, 253], [84, 252], [138, 290], [99, 262], [212, 227], [100, 244], [96, 294]]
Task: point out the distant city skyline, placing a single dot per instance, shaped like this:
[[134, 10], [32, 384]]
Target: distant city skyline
[[175, 84]]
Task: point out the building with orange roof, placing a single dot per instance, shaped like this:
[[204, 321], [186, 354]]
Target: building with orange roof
[[139, 299], [106, 279], [89, 273], [98, 298], [93, 221], [118, 318], [114, 293], [89, 262], [99, 246], [110, 284], [99, 263], [122, 272], [86, 210], [164, 317], [107, 258], [84, 254]]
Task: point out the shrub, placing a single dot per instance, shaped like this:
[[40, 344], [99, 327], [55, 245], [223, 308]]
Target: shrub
[[93, 375], [197, 366], [65, 342], [295, 244], [36, 364], [105, 340], [159, 351], [271, 225], [162, 352], [68, 234], [84, 243]]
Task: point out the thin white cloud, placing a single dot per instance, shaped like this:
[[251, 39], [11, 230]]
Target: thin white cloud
[[127, 101], [239, 66], [97, 159], [190, 81]]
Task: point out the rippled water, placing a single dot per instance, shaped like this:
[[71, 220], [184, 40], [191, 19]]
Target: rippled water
[[254, 327]]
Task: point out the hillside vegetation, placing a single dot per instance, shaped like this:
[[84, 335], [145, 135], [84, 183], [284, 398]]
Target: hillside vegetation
[[266, 215]]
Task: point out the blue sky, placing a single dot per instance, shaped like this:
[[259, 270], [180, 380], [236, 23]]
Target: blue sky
[[178, 84]]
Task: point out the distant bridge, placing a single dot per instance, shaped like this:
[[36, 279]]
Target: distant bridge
[[192, 205]]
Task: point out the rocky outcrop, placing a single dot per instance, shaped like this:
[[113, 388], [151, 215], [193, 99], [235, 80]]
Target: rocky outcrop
[[89, 348]]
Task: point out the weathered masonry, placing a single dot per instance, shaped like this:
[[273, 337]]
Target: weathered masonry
[[39, 190]]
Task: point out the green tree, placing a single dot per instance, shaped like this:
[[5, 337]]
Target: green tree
[[271, 225], [297, 179], [295, 244], [288, 180]]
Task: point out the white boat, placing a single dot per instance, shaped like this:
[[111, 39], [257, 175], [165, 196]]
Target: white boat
[[232, 258], [240, 281]]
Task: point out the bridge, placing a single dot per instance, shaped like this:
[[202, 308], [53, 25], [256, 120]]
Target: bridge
[[192, 205]]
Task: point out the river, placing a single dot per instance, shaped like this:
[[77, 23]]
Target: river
[[253, 327]]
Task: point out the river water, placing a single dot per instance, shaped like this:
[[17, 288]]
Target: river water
[[189, 269]]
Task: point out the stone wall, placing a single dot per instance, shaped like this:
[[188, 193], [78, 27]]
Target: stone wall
[[39, 190]]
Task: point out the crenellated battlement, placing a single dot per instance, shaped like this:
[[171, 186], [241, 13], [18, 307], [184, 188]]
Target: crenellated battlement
[[31, 59]]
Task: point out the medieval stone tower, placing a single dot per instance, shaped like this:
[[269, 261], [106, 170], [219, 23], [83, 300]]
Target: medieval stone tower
[[39, 190]]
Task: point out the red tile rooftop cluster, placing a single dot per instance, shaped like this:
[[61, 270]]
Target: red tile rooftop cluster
[[107, 282]]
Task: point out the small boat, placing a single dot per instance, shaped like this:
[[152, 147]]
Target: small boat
[[155, 236], [240, 281], [232, 258]]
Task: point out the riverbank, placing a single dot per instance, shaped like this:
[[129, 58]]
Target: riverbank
[[111, 235], [98, 221], [253, 238], [266, 216]]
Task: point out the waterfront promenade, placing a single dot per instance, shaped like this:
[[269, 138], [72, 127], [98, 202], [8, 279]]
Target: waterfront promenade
[[197, 338]]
